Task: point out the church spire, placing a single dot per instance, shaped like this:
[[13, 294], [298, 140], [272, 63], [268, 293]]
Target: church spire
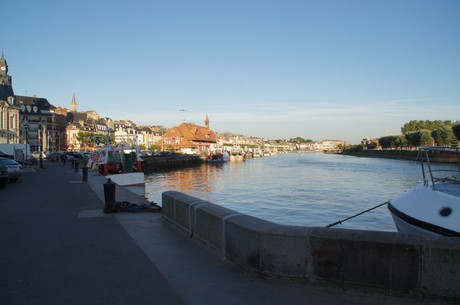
[[5, 79], [206, 121], [73, 105]]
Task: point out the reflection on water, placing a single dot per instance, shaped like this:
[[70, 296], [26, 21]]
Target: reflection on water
[[297, 189]]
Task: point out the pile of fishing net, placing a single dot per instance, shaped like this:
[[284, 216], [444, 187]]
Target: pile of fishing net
[[126, 206]]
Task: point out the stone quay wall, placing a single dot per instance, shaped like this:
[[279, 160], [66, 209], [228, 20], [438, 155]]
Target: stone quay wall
[[388, 262], [155, 164]]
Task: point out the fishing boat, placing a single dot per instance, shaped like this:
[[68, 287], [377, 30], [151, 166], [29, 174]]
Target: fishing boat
[[432, 208], [218, 157], [122, 164]]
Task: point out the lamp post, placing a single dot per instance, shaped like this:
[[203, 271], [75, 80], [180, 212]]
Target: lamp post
[[40, 146], [26, 128], [7, 125]]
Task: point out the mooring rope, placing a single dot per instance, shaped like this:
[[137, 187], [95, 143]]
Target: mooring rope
[[348, 218]]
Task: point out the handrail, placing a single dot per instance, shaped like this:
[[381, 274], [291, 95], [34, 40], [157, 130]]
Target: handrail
[[423, 152]]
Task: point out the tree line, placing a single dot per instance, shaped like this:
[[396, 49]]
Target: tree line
[[424, 133]]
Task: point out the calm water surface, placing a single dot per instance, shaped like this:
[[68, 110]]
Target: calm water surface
[[308, 189]]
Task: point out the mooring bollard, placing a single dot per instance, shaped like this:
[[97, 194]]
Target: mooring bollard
[[84, 171], [109, 196]]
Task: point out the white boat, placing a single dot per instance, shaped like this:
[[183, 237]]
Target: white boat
[[122, 164], [434, 207]]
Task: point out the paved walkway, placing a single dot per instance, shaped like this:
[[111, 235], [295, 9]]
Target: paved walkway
[[58, 247]]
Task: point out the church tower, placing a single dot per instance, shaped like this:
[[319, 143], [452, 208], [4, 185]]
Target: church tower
[[73, 104], [5, 79], [206, 121]]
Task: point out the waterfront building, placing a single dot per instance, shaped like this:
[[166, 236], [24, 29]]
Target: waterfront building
[[72, 130], [189, 136], [332, 145], [149, 136], [87, 121], [9, 110], [38, 123], [9, 121]]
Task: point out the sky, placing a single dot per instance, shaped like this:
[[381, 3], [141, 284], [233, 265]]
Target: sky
[[275, 69]]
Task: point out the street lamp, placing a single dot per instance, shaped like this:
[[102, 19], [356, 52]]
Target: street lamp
[[39, 145], [26, 128]]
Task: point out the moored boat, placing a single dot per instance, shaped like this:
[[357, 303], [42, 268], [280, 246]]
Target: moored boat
[[218, 157], [432, 208], [122, 164]]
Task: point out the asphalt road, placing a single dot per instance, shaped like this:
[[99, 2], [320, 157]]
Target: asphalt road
[[51, 255]]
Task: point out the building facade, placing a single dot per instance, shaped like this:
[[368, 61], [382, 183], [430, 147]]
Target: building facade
[[190, 136], [10, 130]]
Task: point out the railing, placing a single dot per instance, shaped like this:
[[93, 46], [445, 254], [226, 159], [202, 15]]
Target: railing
[[424, 157]]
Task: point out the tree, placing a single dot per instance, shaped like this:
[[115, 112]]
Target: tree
[[425, 138], [392, 142], [85, 138], [342, 146], [419, 138], [386, 142], [89, 138], [443, 136], [369, 143], [456, 130], [400, 141], [297, 140], [424, 125]]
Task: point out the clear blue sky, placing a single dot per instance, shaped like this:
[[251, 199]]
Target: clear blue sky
[[274, 69]]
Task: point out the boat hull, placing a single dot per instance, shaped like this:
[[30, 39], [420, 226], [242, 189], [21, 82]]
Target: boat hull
[[128, 179], [424, 211], [218, 158]]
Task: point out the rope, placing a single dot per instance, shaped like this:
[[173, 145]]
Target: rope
[[348, 218]]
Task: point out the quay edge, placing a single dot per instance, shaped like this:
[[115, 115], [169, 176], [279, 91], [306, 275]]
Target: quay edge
[[387, 262], [154, 164]]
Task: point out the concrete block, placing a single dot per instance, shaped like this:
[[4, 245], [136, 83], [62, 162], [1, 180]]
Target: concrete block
[[267, 247], [440, 273], [369, 258], [242, 240], [180, 208], [209, 223], [167, 204], [284, 251]]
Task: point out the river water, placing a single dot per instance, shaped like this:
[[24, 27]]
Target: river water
[[305, 189]]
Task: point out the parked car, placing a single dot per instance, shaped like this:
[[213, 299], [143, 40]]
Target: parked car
[[30, 159], [75, 154], [2, 154], [53, 157], [14, 169], [36, 155], [3, 174]]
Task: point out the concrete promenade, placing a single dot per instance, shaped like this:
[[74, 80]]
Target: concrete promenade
[[58, 247]]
